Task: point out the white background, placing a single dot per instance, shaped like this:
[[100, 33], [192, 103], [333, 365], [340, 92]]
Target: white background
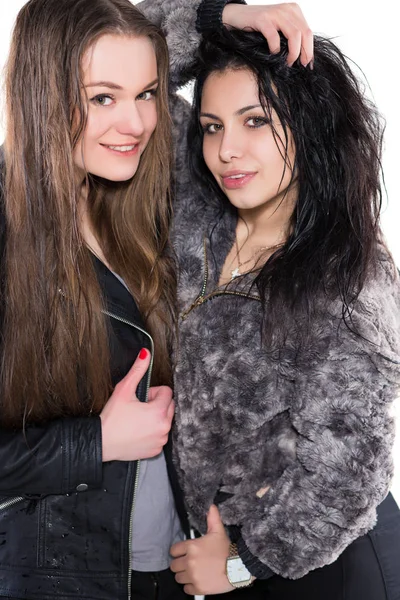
[[366, 33]]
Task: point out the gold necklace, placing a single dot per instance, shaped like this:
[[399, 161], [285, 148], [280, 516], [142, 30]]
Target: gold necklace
[[236, 272]]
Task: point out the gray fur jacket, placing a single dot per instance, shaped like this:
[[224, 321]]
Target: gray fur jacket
[[300, 447]]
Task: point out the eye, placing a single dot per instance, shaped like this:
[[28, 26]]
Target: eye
[[256, 122], [147, 95], [102, 100], [212, 128]]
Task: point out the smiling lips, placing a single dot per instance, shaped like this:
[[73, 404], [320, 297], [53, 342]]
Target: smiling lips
[[237, 179], [122, 150]]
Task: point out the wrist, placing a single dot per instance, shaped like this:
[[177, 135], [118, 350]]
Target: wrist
[[209, 14]]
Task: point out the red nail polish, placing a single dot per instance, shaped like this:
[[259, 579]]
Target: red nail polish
[[143, 354]]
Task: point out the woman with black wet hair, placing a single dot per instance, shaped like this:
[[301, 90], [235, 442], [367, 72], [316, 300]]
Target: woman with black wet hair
[[289, 356]]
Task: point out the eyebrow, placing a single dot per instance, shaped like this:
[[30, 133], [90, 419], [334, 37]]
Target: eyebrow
[[238, 113], [115, 86]]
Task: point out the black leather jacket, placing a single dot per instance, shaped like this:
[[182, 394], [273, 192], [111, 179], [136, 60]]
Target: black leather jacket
[[65, 517]]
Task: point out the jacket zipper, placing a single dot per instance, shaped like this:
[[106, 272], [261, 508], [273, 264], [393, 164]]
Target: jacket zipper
[[4, 504], [203, 297], [122, 320]]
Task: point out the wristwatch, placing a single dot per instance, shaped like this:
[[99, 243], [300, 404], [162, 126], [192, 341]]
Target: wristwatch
[[238, 574]]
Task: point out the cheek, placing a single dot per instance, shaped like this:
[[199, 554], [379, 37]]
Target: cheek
[[97, 124], [77, 155], [271, 155], [86, 148], [210, 152], [149, 117]]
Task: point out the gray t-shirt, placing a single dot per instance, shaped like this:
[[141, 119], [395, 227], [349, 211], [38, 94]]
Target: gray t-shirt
[[156, 525]]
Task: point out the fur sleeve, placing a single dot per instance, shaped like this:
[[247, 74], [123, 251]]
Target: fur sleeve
[[177, 18], [341, 413], [179, 21]]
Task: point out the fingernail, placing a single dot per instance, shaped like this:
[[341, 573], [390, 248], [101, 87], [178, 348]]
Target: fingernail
[[143, 354]]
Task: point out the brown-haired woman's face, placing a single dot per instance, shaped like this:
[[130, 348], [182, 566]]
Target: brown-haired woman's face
[[120, 80]]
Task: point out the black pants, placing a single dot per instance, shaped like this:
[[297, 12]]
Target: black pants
[[160, 585], [369, 569]]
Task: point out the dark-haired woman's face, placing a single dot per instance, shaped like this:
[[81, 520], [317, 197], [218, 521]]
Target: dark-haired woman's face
[[239, 145]]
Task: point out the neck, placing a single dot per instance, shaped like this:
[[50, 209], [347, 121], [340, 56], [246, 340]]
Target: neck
[[268, 224]]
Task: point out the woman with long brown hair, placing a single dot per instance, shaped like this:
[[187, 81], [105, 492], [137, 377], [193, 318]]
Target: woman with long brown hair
[[85, 191], [87, 291]]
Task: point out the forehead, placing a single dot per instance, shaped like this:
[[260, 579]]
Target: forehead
[[120, 59], [230, 90]]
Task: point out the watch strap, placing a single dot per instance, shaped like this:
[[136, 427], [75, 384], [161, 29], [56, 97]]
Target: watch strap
[[233, 550]]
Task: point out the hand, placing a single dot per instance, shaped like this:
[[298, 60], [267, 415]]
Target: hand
[[200, 565], [269, 20], [131, 429]]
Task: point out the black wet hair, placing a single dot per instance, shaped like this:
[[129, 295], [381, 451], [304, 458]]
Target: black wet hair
[[337, 132]]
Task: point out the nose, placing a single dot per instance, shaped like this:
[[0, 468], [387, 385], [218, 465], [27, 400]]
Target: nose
[[130, 121], [231, 146]]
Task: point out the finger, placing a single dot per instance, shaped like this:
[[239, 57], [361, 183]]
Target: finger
[[293, 35], [171, 411], [271, 34], [153, 391], [164, 406], [183, 578], [179, 549], [307, 38], [214, 523], [162, 394], [137, 371], [178, 565], [307, 47], [190, 590]]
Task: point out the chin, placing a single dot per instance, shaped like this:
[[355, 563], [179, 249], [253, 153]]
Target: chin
[[240, 203], [120, 179], [117, 177]]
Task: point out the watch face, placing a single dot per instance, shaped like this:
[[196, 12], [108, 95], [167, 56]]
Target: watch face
[[236, 570]]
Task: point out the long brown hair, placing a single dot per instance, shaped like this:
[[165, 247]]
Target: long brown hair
[[55, 354]]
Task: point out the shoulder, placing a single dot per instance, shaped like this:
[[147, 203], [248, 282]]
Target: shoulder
[[379, 300], [372, 326], [377, 310], [365, 333]]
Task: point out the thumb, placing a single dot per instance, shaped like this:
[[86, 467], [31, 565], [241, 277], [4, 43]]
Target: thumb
[[214, 523], [161, 395], [136, 372]]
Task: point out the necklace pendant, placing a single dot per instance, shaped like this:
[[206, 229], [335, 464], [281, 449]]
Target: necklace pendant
[[235, 273]]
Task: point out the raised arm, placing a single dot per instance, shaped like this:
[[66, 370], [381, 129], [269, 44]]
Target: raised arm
[[184, 21]]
